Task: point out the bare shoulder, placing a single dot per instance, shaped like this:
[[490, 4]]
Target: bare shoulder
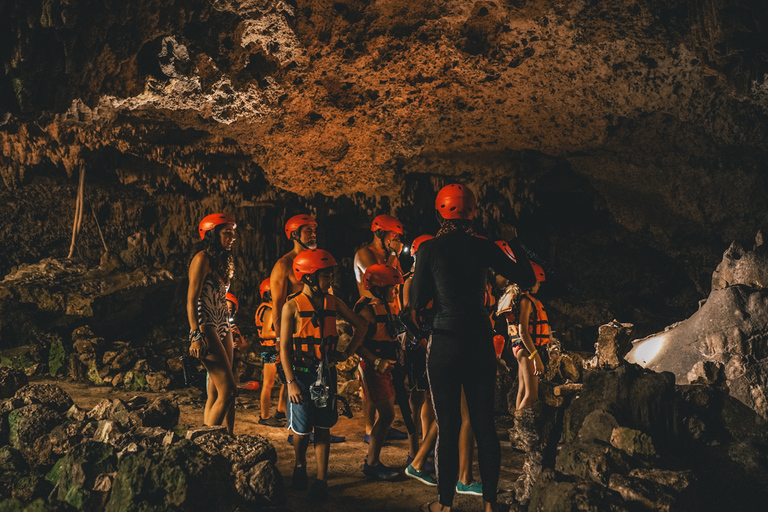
[[201, 261], [284, 264]]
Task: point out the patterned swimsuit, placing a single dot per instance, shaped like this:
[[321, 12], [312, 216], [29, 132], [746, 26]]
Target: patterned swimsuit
[[212, 305]]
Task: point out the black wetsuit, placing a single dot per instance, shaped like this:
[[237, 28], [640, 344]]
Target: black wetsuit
[[451, 270]]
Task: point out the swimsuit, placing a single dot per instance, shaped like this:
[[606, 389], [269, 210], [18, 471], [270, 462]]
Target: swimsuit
[[212, 305]]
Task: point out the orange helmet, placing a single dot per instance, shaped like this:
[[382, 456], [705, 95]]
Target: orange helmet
[[387, 223], [231, 298], [310, 261], [416, 243], [455, 201], [264, 287], [296, 222], [381, 275], [213, 220], [538, 271], [504, 246]]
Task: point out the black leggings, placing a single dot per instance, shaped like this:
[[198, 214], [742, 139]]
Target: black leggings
[[454, 361]]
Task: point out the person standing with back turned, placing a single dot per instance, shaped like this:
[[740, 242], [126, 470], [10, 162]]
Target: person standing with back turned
[[451, 271]]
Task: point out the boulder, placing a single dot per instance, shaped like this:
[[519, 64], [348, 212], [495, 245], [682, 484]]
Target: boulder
[[632, 442], [728, 331], [243, 451], [31, 487], [741, 265], [598, 425], [12, 465], [555, 492], [158, 381], [160, 412], [182, 477], [261, 483], [11, 380], [48, 394], [77, 474], [194, 433], [637, 398], [29, 424], [593, 460], [613, 343]]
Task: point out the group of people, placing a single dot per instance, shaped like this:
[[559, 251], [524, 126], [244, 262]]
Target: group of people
[[425, 342]]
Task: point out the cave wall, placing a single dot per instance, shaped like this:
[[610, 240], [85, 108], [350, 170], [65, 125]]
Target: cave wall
[[626, 139]]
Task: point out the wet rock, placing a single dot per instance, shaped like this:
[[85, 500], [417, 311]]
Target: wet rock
[[158, 381], [11, 380], [77, 473], [160, 412], [48, 394], [27, 425], [613, 343], [555, 492], [182, 477], [633, 442]]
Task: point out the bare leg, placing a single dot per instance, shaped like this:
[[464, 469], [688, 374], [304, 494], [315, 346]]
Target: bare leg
[[429, 442], [268, 382], [322, 452], [369, 415], [283, 400], [229, 348], [528, 394], [417, 400], [386, 410], [466, 444], [210, 400], [427, 414], [219, 368], [300, 445]]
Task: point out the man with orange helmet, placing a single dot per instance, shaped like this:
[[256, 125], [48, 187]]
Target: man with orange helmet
[[270, 358], [308, 340], [210, 274], [451, 270], [385, 248]]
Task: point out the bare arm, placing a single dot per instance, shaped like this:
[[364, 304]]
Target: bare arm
[[286, 351], [198, 269], [278, 282], [268, 329]]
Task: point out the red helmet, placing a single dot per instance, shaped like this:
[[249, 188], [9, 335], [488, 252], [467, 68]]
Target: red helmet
[[381, 275], [387, 223], [231, 298], [213, 220], [264, 288], [416, 243], [538, 271], [297, 221], [310, 261], [455, 201], [507, 249]]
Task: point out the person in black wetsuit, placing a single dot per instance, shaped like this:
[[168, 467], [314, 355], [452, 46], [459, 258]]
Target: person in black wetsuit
[[451, 271]]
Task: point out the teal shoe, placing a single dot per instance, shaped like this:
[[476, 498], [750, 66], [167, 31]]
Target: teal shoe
[[474, 489], [421, 476]]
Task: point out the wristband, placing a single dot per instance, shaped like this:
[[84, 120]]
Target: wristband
[[290, 381], [195, 335], [376, 363], [533, 354]]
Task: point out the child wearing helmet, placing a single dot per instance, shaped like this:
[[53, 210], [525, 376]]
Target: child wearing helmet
[[378, 355], [210, 335], [270, 358], [529, 331], [308, 352]]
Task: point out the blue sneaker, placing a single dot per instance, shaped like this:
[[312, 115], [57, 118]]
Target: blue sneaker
[[473, 489], [380, 472], [428, 466], [421, 476]]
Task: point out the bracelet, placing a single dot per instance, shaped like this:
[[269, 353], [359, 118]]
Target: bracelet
[[195, 335], [533, 354], [376, 363], [290, 381]]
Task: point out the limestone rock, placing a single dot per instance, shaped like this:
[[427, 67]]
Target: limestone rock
[[728, 330], [593, 460], [743, 266], [47, 394], [182, 477], [193, 433], [613, 343], [11, 380], [77, 473], [31, 487], [158, 381], [160, 412], [633, 442], [555, 492], [598, 425], [27, 425]]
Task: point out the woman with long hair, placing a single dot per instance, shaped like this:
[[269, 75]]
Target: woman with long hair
[[210, 336]]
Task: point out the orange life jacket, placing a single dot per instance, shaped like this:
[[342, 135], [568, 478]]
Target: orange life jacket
[[538, 323], [260, 312], [317, 334], [378, 341]]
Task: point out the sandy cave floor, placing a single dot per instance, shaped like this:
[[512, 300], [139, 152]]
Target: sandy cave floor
[[349, 489]]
